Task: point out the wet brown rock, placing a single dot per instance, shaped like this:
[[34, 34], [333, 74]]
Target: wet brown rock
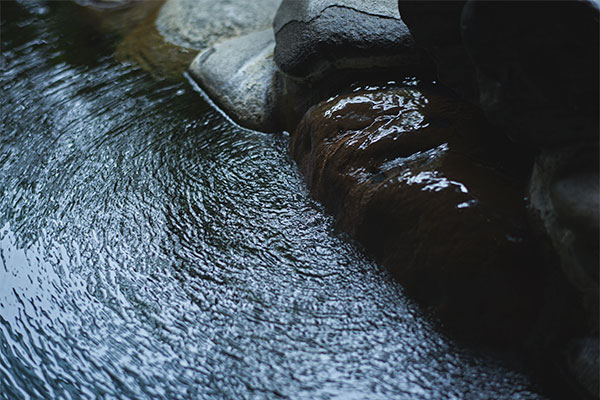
[[405, 173]]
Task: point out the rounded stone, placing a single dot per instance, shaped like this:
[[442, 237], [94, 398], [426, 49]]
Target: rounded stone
[[405, 172]]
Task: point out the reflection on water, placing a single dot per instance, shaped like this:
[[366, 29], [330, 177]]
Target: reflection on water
[[150, 249]]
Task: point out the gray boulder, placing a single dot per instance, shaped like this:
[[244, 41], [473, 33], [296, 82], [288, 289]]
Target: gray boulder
[[198, 24], [240, 76], [314, 37]]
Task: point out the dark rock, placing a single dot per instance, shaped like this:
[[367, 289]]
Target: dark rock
[[199, 24], [537, 67], [314, 37], [531, 66], [435, 26], [240, 76], [583, 360], [405, 172], [564, 201]]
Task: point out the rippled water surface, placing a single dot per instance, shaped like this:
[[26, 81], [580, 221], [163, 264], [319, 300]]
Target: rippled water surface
[[148, 248]]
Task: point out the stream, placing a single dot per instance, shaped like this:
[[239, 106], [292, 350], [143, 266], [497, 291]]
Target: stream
[[151, 249]]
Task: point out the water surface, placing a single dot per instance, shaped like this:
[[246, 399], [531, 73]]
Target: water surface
[[150, 249]]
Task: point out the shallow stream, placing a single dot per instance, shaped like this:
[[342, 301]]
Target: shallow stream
[[151, 249]]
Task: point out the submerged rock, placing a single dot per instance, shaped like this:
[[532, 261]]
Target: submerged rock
[[198, 24], [405, 173], [240, 76], [147, 48]]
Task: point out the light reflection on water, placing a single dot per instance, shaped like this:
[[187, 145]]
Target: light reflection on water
[[150, 249]]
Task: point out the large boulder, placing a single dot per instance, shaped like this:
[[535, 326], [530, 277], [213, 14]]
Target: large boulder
[[324, 46], [198, 24], [531, 66], [405, 172], [317, 36], [240, 76]]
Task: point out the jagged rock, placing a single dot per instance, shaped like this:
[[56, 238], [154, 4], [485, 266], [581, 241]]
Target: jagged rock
[[240, 76], [405, 173], [314, 37], [198, 24]]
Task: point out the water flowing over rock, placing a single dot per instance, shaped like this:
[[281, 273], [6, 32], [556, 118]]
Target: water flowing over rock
[[405, 173]]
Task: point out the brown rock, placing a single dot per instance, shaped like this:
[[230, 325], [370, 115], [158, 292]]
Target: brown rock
[[405, 173]]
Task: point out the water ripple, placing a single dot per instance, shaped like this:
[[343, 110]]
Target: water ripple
[[150, 249]]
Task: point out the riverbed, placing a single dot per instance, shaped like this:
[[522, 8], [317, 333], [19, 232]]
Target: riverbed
[[149, 248]]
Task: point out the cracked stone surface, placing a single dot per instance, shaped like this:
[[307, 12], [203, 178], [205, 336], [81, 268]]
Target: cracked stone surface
[[314, 37]]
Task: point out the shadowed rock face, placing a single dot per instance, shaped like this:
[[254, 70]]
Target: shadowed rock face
[[405, 173], [538, 74], [435, 26], [531, 66]]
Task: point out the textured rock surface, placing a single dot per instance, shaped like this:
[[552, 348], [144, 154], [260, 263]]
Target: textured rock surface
[[240, 76], [564, 195], [583, 360], [317, 36], [404, 172], [198, 24]]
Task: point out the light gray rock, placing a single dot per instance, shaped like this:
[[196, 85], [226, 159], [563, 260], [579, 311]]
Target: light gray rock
[[198, 24], [314, 37], [240, 76]]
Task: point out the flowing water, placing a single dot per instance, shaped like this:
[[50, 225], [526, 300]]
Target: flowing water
[[151, 249]]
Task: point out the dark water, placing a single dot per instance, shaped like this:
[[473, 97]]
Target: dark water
[[150, 249]]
